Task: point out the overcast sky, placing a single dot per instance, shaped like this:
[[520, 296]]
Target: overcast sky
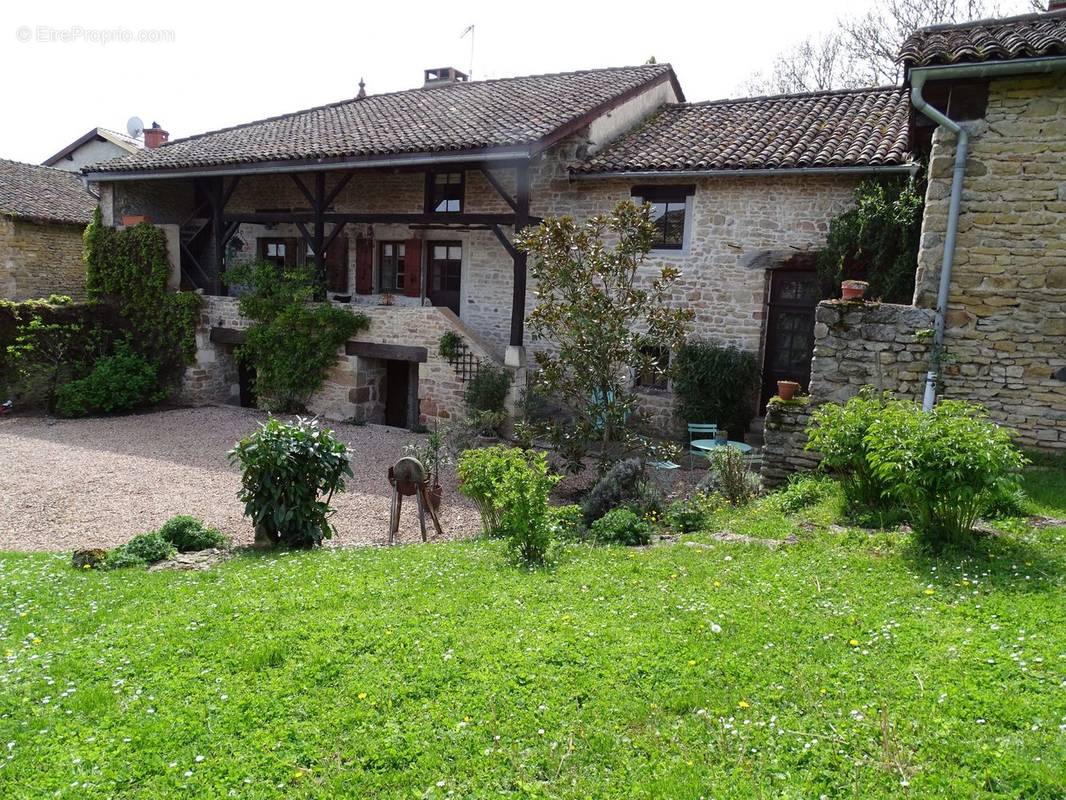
[[230, 62]]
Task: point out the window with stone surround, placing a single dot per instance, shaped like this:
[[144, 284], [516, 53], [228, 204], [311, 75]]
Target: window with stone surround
[[671, 211], [444, 192], [648, 378], [391, 257]]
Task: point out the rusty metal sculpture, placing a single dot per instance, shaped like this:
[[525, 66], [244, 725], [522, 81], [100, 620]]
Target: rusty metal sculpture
[[408, 477]]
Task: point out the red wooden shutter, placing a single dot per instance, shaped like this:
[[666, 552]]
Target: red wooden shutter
[[292, 248], [412, 267], [337, 265], [364, 265]]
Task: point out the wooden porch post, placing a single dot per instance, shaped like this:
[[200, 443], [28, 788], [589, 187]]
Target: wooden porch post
[[521, 220], [218, 232], [319, 234]]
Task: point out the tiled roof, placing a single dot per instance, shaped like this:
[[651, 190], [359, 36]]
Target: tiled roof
[[461, 116], [859, 128], [43, 193], [1028, 36]]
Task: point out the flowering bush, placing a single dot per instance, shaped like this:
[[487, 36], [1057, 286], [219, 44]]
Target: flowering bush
[[693, 513]]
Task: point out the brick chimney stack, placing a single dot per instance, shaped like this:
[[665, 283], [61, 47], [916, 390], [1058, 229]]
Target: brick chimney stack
[[155, 136], [1056, 5]]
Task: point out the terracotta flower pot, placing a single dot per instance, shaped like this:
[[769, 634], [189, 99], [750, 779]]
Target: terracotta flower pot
[[786, 390], [853, 290]]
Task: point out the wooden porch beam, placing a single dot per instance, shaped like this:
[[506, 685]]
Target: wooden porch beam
[[303, 188], [510, 248], [275, 217], [339, 188], [337, 228], [319, 234], [228, 193], [499, 189]]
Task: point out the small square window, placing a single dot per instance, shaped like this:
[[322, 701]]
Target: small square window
[[652, 372], [444, 192], [669, 213]]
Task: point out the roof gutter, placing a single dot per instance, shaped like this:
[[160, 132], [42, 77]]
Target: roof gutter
[[273, 167], [727, 173], [918, 77]]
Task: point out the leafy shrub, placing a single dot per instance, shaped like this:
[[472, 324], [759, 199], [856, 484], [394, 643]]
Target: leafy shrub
[[693, 513], [802, 491], [121, 558], [450, 345], [716, 385], [568, 521], [1007, 501], [292, 343], [621, 526], [732, 476], [877, 239], [189, 534], [289, 472], [510, 488], [144, 548], [118, 382], [481, 471], [946, 466], [621, 484], [839, 433], [487, 389]]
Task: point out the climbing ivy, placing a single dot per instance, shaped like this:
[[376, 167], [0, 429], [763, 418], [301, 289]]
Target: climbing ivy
[[877, 239], [293, 343], [128, 269]]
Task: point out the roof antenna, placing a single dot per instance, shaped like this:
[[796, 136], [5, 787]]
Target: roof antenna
[[469, 29]]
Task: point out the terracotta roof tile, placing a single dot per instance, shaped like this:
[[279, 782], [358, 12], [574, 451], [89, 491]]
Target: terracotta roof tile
[[855, 128], [43, 193], [1028, 36], [460, 116]]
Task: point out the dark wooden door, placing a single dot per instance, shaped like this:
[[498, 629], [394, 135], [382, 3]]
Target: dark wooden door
[[794, 293], [445, 274], [396, 393]]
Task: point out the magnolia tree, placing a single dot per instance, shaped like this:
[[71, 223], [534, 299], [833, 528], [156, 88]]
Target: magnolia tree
[[603, 323]]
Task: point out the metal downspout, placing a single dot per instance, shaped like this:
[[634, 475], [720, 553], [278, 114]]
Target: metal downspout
[[961, 149]]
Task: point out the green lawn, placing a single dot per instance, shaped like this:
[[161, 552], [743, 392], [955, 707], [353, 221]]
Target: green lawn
[[846, 665]]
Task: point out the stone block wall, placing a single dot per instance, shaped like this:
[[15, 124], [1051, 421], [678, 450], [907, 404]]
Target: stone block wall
[[354, 388], [40, 258], [856, 344], [1007, 309], [785, 435]]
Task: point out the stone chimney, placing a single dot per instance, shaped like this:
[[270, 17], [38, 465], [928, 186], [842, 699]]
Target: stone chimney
[[443, 76], [155, 136]]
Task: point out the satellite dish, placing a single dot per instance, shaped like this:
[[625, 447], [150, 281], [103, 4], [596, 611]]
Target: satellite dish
[[134, 127]]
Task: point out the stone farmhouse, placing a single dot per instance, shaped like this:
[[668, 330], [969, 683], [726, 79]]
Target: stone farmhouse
[[43, 212], [406, 204]]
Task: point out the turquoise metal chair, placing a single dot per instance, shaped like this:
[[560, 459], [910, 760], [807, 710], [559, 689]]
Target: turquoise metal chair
[[700, 431]]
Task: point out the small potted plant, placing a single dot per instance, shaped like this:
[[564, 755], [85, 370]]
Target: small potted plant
[[433, 455], [853, 290], [786, 390]]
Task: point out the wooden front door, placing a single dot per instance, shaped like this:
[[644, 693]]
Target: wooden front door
[[396, 393], [794, 294], [445, 274]]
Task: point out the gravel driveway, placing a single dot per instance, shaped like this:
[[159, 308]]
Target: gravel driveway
[[66, 484]]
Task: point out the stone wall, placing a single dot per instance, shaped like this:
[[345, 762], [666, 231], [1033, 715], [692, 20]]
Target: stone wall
[[856, 344], [354, 386], [785, 435], [1007, 309], [38, 259]]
